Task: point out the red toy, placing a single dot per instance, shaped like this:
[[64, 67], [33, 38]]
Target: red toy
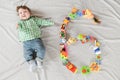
[[71, 67]]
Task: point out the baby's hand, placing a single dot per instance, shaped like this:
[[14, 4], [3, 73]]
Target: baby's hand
[[17, 26]]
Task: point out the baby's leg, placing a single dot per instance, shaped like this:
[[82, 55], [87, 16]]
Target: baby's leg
[[29, 56], [39, 49]]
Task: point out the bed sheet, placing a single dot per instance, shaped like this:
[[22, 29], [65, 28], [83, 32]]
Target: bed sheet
[[12, 63]]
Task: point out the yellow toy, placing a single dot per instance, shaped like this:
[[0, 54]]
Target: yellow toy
[[71, 40], [97, 43], [66, 21], [94, 67], [90, 15]]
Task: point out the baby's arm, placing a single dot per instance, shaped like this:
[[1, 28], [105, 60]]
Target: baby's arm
[[18, 26], [44, 22]]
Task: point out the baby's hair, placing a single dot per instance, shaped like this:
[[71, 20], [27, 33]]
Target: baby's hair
[[23, 7]]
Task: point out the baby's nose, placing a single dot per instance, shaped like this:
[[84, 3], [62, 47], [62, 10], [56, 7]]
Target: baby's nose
[[23, 14]]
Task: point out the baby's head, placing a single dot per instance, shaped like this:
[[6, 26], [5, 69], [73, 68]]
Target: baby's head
[[24, 12]]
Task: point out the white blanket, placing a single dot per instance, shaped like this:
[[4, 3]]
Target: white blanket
[[12, 63]]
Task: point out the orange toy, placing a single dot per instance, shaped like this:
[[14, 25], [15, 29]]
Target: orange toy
[[64, 54], [94, 67], [66, 21], [90, 15], [74, 10], [71, 67]]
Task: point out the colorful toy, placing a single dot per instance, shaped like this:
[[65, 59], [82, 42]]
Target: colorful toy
[[63, 27], [71, 40], [85, 70], [79, 14], [72, 16], [86, 38], [96, 50], [98, 59], [66, 21], [62, 40], [63, 34], [90, 15], [71, 67], [97, 43], [74, 10], [94, 66], [64, 55], [82, 38]]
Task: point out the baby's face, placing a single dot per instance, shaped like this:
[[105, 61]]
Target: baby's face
[[23, 14]]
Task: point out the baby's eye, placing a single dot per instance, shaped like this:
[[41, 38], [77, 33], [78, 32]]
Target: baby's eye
[[20, 12]]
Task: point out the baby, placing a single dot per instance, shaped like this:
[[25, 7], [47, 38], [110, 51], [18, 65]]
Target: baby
[[30, 35]]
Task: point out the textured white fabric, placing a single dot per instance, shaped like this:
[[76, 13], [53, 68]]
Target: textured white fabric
[[12, 63]]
